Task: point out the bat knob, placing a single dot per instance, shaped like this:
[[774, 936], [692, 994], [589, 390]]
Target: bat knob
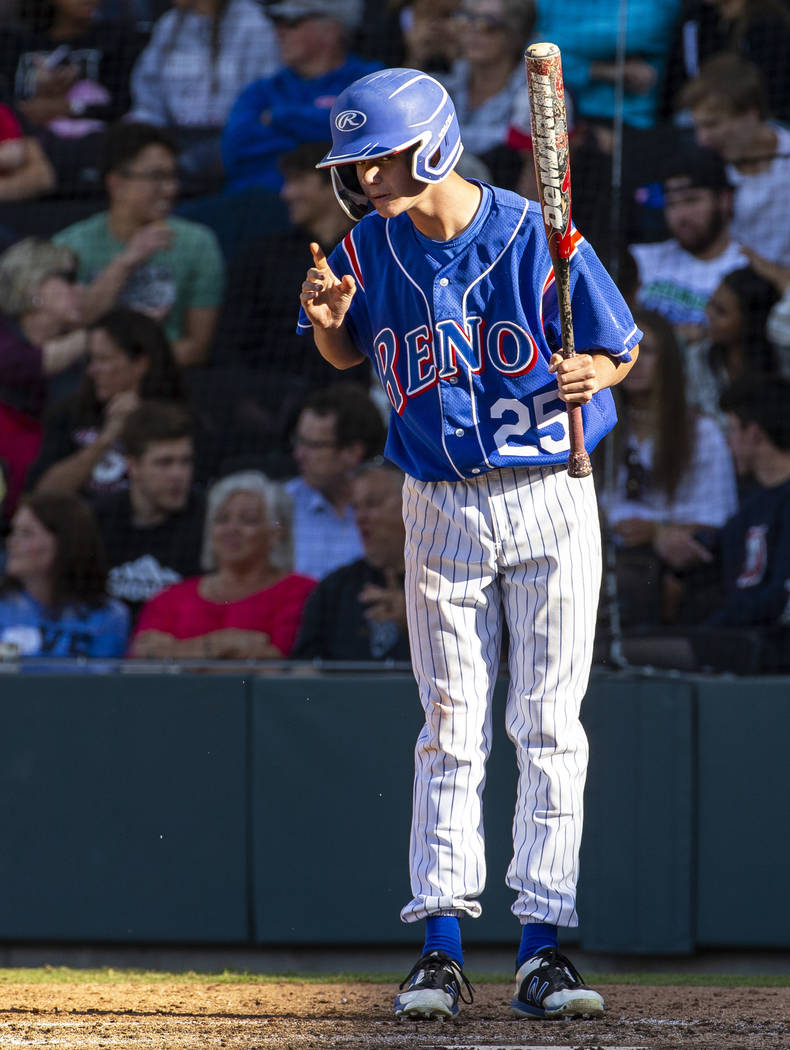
[[579, 465]]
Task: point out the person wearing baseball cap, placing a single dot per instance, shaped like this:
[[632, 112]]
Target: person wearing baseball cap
[[276, 114], [678, 276], [348, 12]]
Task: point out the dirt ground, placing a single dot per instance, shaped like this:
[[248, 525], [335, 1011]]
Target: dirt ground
[[251, 1016]]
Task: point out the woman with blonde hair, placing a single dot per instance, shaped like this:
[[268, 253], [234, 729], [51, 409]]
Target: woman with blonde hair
[[42, 342], [249, 604]]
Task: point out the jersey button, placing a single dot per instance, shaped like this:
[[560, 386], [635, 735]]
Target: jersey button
[[443, 282], [459, 433], [475, 470], [453, 380]]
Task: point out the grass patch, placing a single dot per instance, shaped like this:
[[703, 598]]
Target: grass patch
[[112, 975]]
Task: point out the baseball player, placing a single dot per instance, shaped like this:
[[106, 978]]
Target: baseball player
[[446, 285]]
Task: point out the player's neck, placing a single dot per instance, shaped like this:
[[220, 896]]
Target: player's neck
[[448, 209]]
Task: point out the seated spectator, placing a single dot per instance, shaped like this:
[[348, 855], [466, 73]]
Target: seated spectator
[[129, 360], [274, 114], [588, 36], [673, 484], [138, 254], [153, 530], [756, 30], [679, 275], [429, 35], [777, 326], [487, 82], [737, 343], [198, 61], [748, 632], [53, 600], [256, 330], [41, 336], [249, 604], [358, 612], [755, 542], [25, 171], [728, 108], [70, 71], [337, 430], [259, 362]]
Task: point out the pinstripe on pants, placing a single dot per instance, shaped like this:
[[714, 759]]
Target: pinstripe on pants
[[522, 544]]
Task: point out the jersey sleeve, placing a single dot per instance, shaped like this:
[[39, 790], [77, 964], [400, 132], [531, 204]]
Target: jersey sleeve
[[601, 317]]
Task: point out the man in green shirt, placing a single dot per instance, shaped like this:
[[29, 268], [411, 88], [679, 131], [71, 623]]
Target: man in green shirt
[[138, 254]]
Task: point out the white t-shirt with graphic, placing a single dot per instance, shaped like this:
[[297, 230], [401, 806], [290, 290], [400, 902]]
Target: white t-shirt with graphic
[[676, 284]]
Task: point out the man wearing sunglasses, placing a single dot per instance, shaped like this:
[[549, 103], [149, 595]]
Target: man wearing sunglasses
[[275, 114]]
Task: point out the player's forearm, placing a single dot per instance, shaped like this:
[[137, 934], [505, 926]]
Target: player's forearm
[[336, 347], [609, 371]]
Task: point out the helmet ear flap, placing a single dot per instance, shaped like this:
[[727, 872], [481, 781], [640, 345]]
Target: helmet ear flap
[[349, 193]]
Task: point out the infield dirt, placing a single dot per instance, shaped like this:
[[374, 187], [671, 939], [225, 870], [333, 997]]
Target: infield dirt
[[252, 1016]]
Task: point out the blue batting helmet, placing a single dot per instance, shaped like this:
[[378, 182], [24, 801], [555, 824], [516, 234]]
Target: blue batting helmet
[[386, 112]]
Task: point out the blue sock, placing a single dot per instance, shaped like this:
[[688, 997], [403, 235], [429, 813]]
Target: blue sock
[[534, 936], [443, 932]]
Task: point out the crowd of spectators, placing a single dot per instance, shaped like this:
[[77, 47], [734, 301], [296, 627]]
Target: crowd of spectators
[[182, 477]]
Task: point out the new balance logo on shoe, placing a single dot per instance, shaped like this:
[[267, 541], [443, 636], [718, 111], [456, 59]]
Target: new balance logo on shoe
[[548, 986]]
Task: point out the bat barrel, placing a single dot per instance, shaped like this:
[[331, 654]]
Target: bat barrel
[[549, 124]]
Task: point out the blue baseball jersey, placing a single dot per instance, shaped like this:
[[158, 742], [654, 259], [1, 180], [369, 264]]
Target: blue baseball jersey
[[461, 332]]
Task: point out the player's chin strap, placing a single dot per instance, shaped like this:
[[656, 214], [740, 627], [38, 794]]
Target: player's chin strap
[[349, 192]]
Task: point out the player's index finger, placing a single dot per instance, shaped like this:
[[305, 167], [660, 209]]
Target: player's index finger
[[319, 258]]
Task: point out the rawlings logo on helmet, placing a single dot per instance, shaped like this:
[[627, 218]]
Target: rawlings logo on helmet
[[350, 120]]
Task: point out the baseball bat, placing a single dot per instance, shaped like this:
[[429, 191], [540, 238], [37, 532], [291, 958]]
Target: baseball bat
[[549, 125]]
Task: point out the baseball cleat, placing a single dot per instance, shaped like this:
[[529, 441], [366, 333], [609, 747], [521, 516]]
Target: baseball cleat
[[549, 986], [433, 987]]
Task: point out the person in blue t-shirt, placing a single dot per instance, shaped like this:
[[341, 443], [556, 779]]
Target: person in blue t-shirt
[[53, 599], [275, 114]]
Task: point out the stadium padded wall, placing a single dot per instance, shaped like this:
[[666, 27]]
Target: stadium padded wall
[[202, 809]]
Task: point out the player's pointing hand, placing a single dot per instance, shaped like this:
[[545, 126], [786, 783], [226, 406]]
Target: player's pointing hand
[[325, 298]]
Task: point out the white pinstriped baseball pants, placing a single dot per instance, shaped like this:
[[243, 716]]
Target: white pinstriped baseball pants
[[523, 545]]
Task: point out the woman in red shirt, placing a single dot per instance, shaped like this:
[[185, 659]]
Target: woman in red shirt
[[248, 605]]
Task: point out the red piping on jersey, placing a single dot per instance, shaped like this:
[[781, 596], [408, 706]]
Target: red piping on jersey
[[351, 252], [576, 239]]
